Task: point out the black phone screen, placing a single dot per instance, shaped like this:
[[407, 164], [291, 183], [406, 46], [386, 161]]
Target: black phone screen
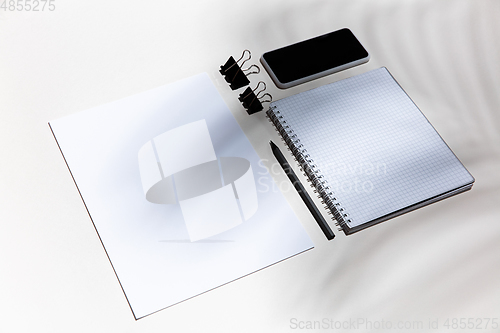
[[315, 55]]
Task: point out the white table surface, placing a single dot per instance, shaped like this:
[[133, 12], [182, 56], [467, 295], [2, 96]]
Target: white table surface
[[440, 262]]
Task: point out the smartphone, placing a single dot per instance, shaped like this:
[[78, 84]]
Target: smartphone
[[314, 58]]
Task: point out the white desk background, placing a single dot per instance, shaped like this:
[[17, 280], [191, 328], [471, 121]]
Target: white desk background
[[441, 262]]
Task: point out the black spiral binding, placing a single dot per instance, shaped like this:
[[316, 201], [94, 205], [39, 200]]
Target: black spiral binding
[[308, 167]]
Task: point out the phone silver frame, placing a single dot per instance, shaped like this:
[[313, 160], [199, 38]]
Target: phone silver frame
[[281, 85]]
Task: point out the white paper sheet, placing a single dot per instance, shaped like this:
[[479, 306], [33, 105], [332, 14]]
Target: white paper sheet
[[164, 253]]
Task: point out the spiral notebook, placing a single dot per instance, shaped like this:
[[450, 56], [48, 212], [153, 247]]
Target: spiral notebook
[[367, 148]]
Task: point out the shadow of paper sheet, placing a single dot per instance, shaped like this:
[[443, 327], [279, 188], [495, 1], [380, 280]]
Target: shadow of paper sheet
[[180, 166]]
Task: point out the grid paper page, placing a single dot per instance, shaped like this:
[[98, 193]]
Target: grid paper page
[[375, 148]]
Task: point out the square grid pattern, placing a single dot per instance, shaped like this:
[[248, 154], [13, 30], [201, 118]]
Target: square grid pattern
[[375, 148]]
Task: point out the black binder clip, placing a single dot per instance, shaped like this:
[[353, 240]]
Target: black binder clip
[[234, 74], [251, 100]]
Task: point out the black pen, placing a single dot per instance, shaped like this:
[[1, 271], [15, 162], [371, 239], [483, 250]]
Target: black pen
[[302, 192]]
